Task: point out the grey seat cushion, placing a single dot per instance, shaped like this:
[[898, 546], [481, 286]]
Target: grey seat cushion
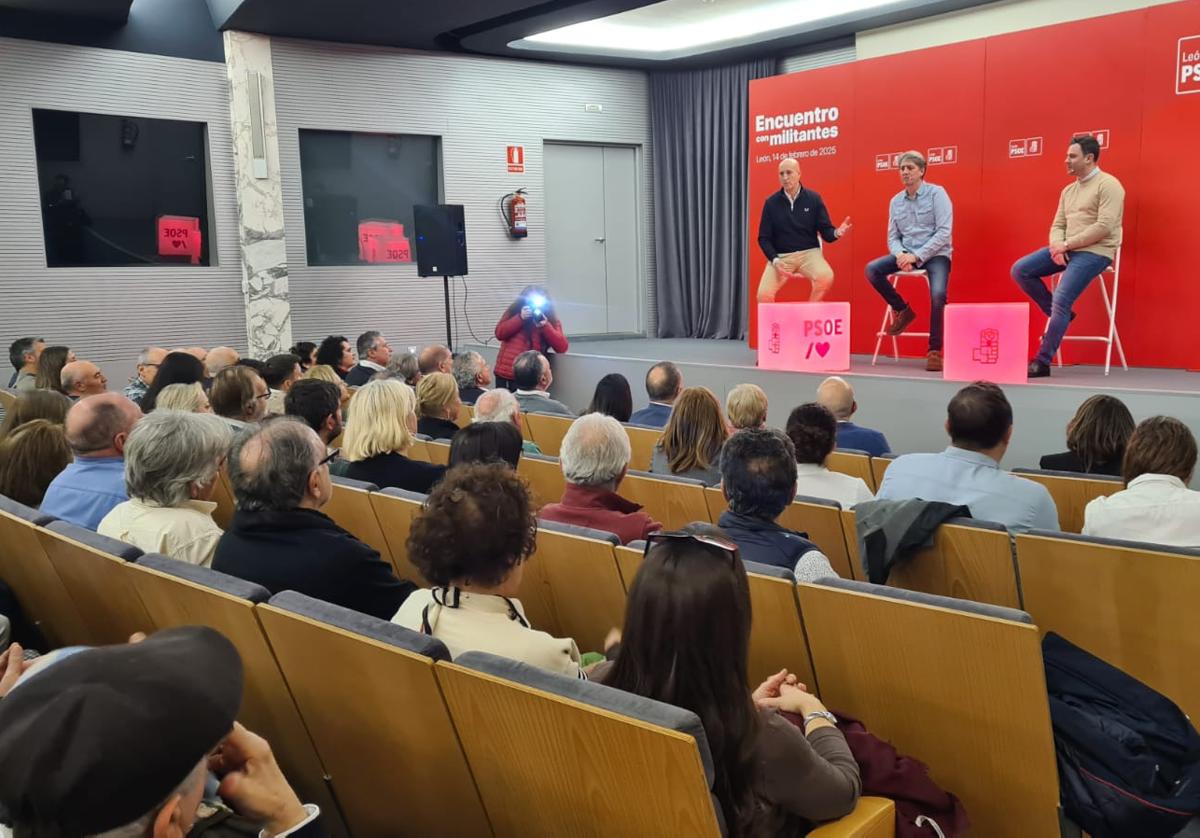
[[818, 501], [852, 451], [406, 494], [670, 478], [1104, 478], [354, 484], [99, 542], [359, 623], [25, 513], [1192, 552], [545, 458], [769, 570], [582, 532], [919, 598], [207, 577], [978, 524]]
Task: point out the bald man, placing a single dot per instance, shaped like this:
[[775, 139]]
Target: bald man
[[218, 358], [87, 489], [435, 358], [664, 383], [83, 378], [787, 233], [836, 394]]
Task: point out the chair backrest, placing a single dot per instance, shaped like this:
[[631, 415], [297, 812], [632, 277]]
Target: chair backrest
[[957, 685], [350, 508], [673, 501], [641, 444], [854, 463], [394, 510], [873, 817], [376, 716], [548, 431], [8, 400], [26, 568], [545, 477], [91, 567], [879, 467], [850, 537], [418, 450], [1132, 604], [585, 585], [1072, 492], [466, 414], [777, 633], [223, 498], [968, 559], [575, 757], [439, 453], [177, 594]]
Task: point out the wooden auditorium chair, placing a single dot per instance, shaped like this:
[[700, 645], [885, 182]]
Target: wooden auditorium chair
[[350, 508], [583, 581], [673, 501], [642, 441], [1072, 492], [26, 568], [855, 463], [547, 430], [394, 510], [879, 467], [968, 559], [545, 477]]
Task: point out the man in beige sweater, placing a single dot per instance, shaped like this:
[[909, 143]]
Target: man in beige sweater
[[1084, 239]]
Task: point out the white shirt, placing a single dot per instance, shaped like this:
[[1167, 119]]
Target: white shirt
[[186, 532], [371, 365], [1157, 508], [819, 482]]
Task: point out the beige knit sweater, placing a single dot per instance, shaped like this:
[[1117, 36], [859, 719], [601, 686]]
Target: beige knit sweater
[[1089, 215]]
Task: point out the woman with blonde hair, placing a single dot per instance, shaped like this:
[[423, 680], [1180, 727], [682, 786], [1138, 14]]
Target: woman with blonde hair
[[746, 407], [324, 372], [190, 398], [30, 457], [438, 403], [381, 428], [691, 441]]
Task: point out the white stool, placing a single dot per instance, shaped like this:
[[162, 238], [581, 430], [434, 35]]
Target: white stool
[[1110, 306], [889, 316]]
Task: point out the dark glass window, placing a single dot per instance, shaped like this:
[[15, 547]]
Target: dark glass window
[[122, 190], [350, 179]]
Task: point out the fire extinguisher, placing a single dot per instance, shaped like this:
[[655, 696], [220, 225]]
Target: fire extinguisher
[[513, 212]]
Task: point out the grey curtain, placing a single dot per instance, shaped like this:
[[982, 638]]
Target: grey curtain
[[698, 132]]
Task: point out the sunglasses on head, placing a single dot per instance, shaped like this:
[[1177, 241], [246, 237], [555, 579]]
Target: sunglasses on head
[[683, 535]]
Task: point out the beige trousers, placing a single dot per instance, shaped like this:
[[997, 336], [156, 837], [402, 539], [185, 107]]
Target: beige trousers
[[810, 264]]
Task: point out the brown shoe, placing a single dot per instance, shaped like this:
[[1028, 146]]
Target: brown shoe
[[933, 361], [901, 321]]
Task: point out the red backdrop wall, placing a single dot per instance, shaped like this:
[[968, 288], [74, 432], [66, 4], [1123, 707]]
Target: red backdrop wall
[[1001, 111]]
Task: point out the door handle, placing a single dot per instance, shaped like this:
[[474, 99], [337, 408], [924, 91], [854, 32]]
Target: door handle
[[599, 239]]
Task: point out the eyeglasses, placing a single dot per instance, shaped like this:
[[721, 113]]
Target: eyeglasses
[[263, 396], [700, 538], [332, 455]]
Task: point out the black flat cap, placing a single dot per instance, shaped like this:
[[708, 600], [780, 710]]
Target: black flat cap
[[102, 737]]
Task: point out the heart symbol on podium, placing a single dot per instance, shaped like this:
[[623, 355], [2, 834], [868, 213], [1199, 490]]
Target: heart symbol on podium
[[823, 349], [177, 243]]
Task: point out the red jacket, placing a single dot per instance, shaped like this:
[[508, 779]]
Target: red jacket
[[600, 509], [517, 336]]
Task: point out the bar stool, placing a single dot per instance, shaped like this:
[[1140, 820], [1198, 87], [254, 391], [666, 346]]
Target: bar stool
[[1110, 306], [889, 316]]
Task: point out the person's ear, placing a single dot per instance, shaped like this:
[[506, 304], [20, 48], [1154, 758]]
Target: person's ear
[[853, 408], [329, 424], [1007, 435], [314, 483], [119, 442], [168, 823], [947, 427], [624, 472]]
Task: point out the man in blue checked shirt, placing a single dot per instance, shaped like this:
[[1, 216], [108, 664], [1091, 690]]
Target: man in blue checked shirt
[[920, 219]]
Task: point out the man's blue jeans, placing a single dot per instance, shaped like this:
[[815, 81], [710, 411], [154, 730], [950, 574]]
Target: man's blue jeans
[[938, 269], [1077, 275]]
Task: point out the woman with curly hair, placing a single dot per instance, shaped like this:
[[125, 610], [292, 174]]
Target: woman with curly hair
[[473, 603], [813, 430]]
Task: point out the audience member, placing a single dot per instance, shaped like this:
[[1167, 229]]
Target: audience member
[[220, 358], [50, 365], [176, 368], [664, 383], [486, 442], [1156, 504], [380, 430], [148, 362], [120, 741], [499, 405], [35, 404], [594, 458], [612, 397], [324, 372], [686, 643], [746, 407], [980, 424], [306, 351], [373, 356], [532, 378], [435, 358], [281, 540], [24, 354], [88, 488], [197, 352], [473, 605], [172, 460], [30, 458], [280, 372], [318, 405], [813, 431], [758, 479], [189, 398], [240, 395], [83, 378], [252, 364], [438, 406], [529, 323], [407, 368], [692, 440], [837, 396], [1096, 438], [335, 352], [472, 374]]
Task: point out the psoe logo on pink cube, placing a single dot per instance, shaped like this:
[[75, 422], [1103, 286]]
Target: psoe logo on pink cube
[[986, 341], [804, 337], [1187, 66]]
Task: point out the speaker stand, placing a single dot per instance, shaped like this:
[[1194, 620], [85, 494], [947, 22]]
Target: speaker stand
[[446, 288]]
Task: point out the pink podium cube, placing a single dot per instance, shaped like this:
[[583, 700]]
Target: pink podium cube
[[987, 341], [804, 337]]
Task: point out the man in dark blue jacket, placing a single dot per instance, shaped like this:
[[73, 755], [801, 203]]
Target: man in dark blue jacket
[[664, 383], [837, 396]]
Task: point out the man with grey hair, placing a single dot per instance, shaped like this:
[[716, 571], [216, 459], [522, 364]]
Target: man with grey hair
[[473, 376], [23, 354], [97, 429], [147, 367], [219, 358], [595, 457], [499, 405], [172, 464], [532, 378], [920, 222], [280, 539], [374, 352], [836, 395]]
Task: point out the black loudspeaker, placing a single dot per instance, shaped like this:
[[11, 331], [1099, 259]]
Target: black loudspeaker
[[441, 239]]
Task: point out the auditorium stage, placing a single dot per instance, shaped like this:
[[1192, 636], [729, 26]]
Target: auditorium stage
[[898, 397]]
